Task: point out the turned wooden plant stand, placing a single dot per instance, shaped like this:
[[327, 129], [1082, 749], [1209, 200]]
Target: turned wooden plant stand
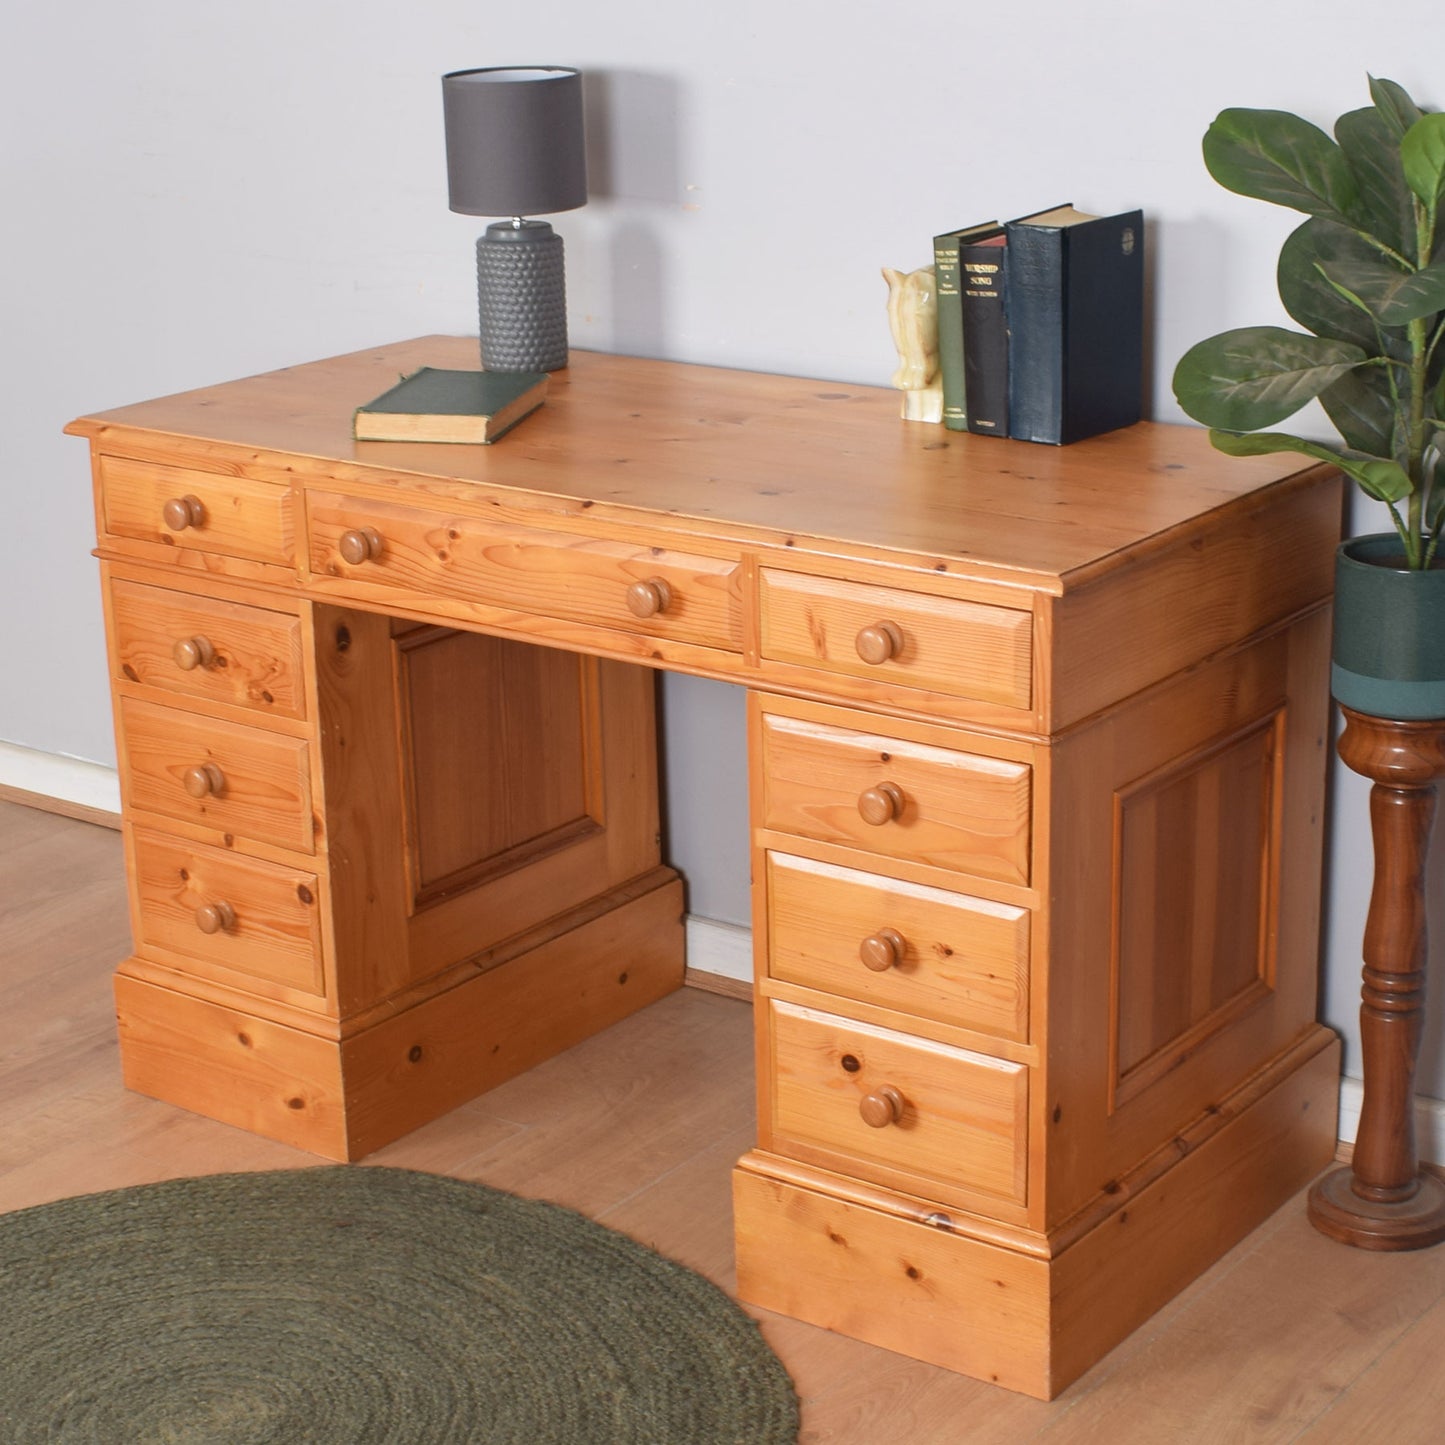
[[1384, 1200]]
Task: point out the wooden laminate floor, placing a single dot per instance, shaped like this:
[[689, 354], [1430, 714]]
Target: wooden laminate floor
[[1289, 1338]]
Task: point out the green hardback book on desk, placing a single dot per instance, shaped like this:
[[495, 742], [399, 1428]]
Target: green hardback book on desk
[[432, 405]]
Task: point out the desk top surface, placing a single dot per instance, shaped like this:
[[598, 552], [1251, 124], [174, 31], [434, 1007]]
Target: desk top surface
[[741, 454]]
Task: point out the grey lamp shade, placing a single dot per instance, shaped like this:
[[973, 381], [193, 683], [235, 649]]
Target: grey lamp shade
[[515, 140]]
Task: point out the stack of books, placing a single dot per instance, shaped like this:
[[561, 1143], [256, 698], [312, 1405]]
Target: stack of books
[[1041, 325]]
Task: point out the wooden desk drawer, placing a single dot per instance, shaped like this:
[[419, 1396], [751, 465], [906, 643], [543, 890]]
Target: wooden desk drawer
[[257, 919], [868, 1101], [968, 649], [924, 951], [238, 779], [201, 647], [933, 805], [557, 574], [201, 511]]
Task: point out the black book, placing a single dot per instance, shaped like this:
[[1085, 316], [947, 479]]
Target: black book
[[1075, 298], [983, 266]]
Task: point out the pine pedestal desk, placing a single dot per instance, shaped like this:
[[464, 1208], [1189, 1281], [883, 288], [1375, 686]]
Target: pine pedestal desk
[[1037, 746]]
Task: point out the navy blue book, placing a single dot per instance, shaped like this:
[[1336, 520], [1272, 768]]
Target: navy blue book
[[1075, 302]]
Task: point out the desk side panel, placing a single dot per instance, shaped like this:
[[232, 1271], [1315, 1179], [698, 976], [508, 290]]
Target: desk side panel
[[1192, 592], [1184, 885]]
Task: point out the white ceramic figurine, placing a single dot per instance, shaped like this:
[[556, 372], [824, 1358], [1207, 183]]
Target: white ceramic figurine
[[913, 319]]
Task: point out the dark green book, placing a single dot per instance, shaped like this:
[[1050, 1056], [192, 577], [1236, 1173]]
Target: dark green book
[[950, 322], [432, 405]]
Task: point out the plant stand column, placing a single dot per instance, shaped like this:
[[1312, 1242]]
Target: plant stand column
[[1384, 1200]]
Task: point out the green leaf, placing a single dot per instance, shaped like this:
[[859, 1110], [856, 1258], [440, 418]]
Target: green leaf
[[1392, 295], [1435, 508], [1396, 108], [1384, 480], [1430, 485], [1317, 306], [1435, 369], [1372, 152], [1274, 156], [1398, 300], [1363, 409], [1250, 378], [1422, 154]]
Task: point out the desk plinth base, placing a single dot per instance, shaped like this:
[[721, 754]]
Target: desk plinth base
[[1029, 1318], [344, 1094]]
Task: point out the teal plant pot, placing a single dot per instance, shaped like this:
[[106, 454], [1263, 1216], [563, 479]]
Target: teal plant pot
[[1389, 639]]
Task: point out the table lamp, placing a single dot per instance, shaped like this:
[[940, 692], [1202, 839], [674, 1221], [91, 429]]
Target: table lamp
[[516, 147]]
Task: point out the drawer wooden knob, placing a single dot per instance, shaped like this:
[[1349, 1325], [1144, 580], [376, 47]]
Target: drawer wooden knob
[[647, 599], [879, 643], [881, 804], [183, 512], [884, 1106], [216, 917], [190, 653], [204, 780], [359, 544], [882, 950]]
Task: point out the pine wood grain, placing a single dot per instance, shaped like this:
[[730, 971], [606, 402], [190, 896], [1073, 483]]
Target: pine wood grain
[[961, 1125], [982, 652], [1097, 1131], [504, 1020], [1287, 1338], [234, 516], [273, 932], [265, 779], [697, 443], [255, 659], [1123, 587], [927, 1293], [962, 960], [958, 810], [532, 569]]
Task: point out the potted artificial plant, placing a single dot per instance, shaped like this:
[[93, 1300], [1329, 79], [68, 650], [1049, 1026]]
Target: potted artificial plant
[[1365, 277]]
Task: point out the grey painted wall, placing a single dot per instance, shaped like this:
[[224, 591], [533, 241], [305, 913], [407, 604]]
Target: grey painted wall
[[192, 192], [705, 793]]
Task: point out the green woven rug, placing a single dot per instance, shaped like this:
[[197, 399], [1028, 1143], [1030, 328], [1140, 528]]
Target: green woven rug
[[360, 1306]]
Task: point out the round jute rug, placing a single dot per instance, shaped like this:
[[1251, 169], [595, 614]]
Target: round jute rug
[[363, 1306]]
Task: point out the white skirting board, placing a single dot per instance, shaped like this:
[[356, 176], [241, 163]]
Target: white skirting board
[[724, 950], [72, 780], [1429, 1121]]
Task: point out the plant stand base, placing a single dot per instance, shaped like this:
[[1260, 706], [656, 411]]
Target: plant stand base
[[1384, 1200], [1415, 1223]]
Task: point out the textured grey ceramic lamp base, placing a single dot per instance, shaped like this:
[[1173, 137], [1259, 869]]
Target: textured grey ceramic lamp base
[[522, 297]]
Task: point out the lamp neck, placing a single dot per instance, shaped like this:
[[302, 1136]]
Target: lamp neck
[[518, 229]]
